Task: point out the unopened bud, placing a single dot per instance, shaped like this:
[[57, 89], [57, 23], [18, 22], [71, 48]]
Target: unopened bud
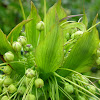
[[22, 40], [30, 73], [8, 56], [17, 46], [40, 26]]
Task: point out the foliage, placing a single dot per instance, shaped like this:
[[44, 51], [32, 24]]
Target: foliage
[[49, 63]]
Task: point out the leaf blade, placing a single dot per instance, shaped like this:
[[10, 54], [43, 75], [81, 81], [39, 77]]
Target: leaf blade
[[32, 33], [4, 44], [13, 35], [83, 51], [49, 53]]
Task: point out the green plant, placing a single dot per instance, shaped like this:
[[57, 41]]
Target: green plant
[[48, 64]]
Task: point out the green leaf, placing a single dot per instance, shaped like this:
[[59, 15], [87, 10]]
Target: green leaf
[[19, 67], [49, 53], [83, 51], [85, 20], [14, 34], [31, 32], [4, 44], [51, 17], [78, 25]]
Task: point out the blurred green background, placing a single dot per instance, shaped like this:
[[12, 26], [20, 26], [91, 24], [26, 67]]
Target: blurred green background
[[11, 15]]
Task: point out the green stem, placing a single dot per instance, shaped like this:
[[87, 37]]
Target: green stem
[[92, 77], [28, 89], [38, 38], [22, 9], [65, 93], [36, 94], [75, 86], [67, 22], [62, 78], [44, 94], [3, 93], [3, 64], [86, 94], [93, 26], [1, 68], [45, 14], [21, 80], [70, 41], [13, 95]]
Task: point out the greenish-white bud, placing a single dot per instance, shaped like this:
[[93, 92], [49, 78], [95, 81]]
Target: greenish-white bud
[[76, 35], [69, 88], [12, 88], [98, 52], [83, 79], [5, 98], [23, 33], [21, 90], [4, 91], [29, 47], [7, 69], [39, 83], [7, 81], [92, 89], [22, 40], [40, 26], [30, 97], [30, 73], [81, 98], [98, 61], [66, 84], [8, 56], [67, 36], [17, 46]]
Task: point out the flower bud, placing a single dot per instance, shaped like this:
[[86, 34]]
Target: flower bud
[[12, 88], [99, 82], [4, 91], [81, 98], [29, 47], [66, 84], [7, 81], [26, 81], [76, 35], [83, 79], [23, 33], [98, 61], [69, 88], [30, 73], [40, 26], [17, 46], [21, 90], [8, 56], [5, 98], [30, 97], [92, 89], [98, 52], [22, 40], [7, 69], [39, 83], [67, 36]]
